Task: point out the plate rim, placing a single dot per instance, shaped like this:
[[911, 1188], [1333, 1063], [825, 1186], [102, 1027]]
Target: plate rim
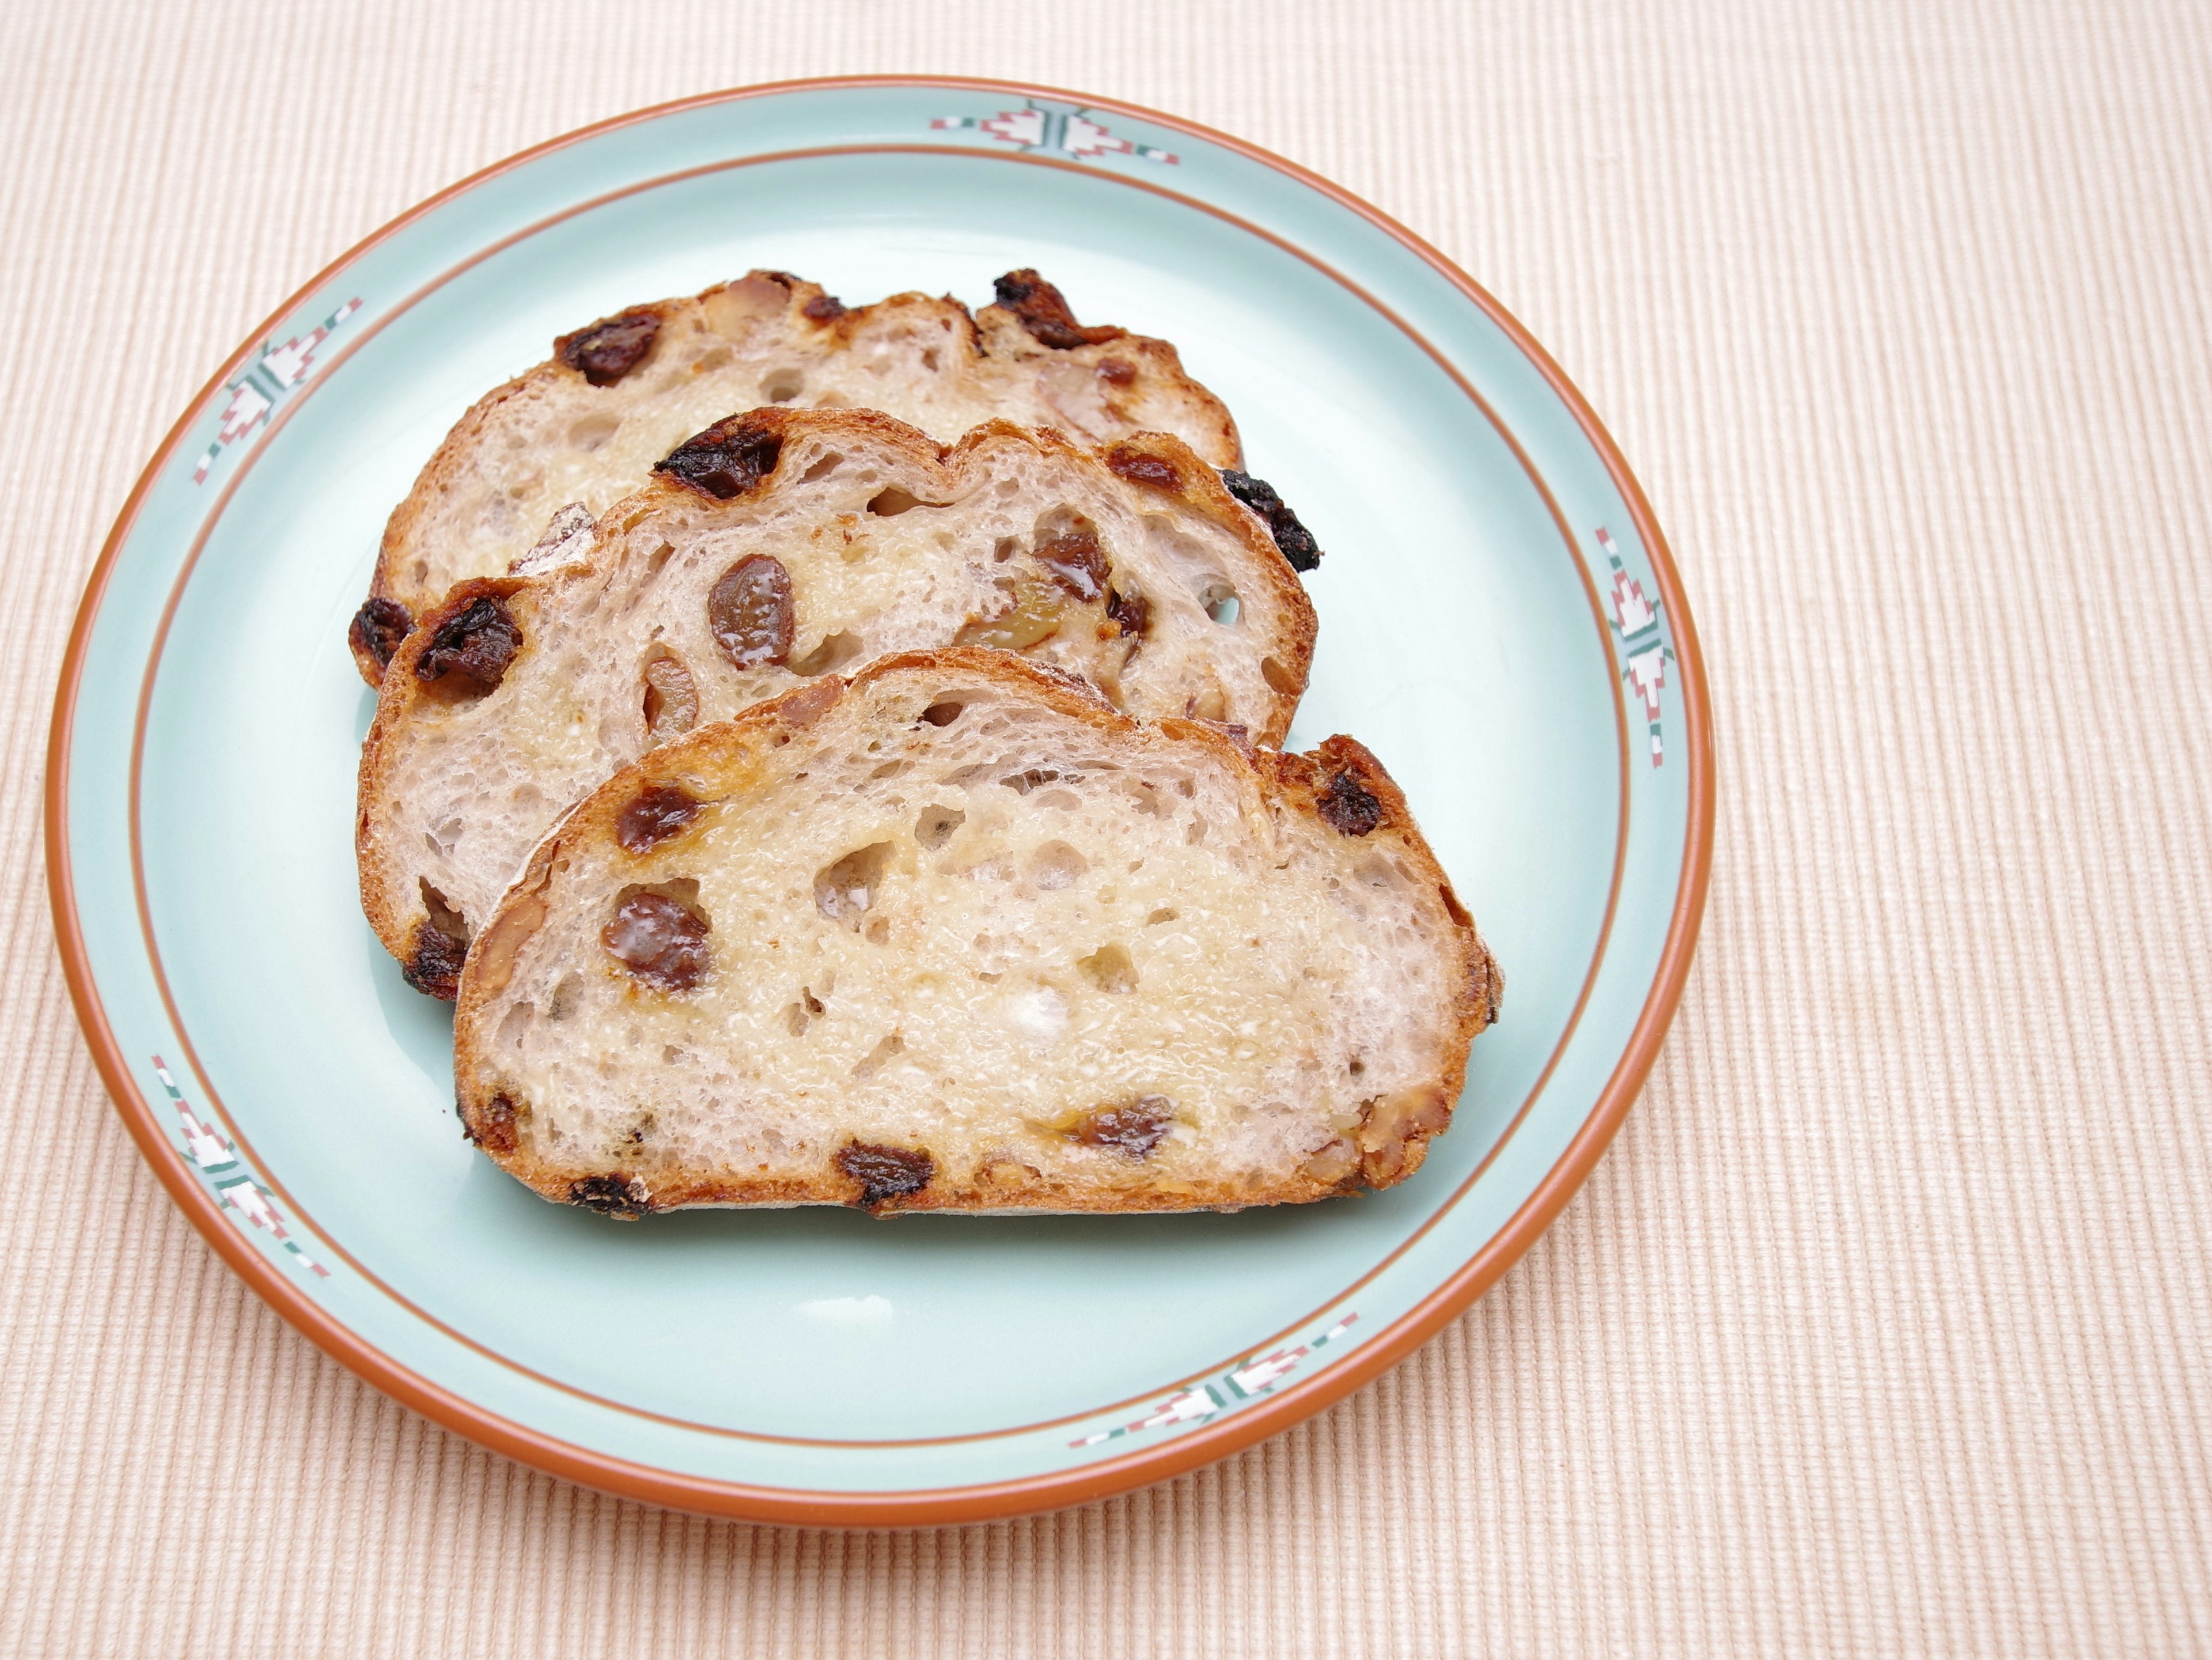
[[1264, 1417]]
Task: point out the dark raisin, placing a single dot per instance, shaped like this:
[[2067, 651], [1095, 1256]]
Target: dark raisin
[[611, 1195], [659, 941], [885, 1172], [493, 1130], [749, 611], [652, 817], [1131, 612], [727, 460], [607, 351], [823, 307], [435, 968], [1295, 540], [1075, 561], [475, 645], [1042, 310], [377, 628], [1134, 1129], [1116, 371], [1138, 468], [1347, 806]]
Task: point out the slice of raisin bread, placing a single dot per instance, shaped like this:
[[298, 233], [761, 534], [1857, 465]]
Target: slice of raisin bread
[[957, 935], [616, 396], [780, 546]]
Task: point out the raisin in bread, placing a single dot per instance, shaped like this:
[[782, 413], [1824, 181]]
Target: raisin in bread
[[587, 426], [780, 546], [957, 935]]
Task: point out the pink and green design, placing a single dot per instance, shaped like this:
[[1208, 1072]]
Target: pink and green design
[[1201, 1403], [235, 1189]]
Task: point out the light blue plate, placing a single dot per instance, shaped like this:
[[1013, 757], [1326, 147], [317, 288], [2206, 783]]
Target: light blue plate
[[1500, 623]]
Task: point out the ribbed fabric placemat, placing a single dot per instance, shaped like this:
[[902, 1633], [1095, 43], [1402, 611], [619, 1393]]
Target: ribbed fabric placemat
[[1882, 1331]]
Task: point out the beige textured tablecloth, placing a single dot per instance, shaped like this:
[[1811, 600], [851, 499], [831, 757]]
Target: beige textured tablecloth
[[1882, 1330]]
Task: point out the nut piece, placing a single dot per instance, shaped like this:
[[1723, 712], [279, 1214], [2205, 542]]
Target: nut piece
[[671, 700], [1133, 1130], [1032, 616], [1152, 471], [749, 611], [625, 1198], [727, 460], [607, 351], [1042, 310], [377, 628], [475, 645], [652, 815], [659, 941], [884, 1173], [1394, 1131], [1346, 807], [1293, 538]]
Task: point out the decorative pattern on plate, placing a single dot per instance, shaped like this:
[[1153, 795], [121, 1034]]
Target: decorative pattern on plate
[[1203, 1403], [1042, 125], [1644, 653], [218, 1162], [257, 388]]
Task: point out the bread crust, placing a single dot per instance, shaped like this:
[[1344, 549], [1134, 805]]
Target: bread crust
[[389, 883], [782, 315], [1299, 785]]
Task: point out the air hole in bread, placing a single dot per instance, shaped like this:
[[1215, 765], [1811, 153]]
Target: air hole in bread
[[1109, 969], [781, 386], [1164, 914], [929, 360], [889, 770], [1005, 548], [833, 653], [935, 826], [889, 503], [719, 358], [1194, 831], [1033, 778], [1221, 602], [1061, 801], [563, 1003], [844, 889], [658, 557], [822, 469], [878, 1058], [1277, 677], [513, 1024], [594, 430], [443, 917], [943, 712], [1055, 866]]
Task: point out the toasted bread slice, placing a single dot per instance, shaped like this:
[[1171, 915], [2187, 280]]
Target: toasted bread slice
[[957, 935], [778, 547], [588, 425]]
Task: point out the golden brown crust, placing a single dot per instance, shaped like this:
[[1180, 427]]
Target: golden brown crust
[[1393, 1140]]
